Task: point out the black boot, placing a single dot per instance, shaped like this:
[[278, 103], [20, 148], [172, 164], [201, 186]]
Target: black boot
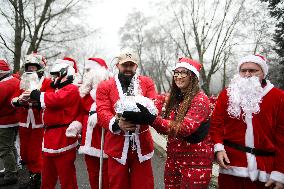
[[35, 181], [2, 173], [8, 180]]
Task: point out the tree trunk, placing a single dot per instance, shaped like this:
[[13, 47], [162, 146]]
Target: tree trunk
[[18, 40]]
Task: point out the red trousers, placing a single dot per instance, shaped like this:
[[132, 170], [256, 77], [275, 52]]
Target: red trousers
[[181, 176], [93, 167], [133, 175], [233, 182], [61, 166], [30, 148]]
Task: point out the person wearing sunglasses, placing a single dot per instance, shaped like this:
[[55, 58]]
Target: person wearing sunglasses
[[247, 128]]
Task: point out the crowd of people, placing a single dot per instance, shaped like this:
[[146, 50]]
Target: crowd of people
[[107, 118]]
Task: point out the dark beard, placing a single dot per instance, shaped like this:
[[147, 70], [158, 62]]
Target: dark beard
[[125, 80]]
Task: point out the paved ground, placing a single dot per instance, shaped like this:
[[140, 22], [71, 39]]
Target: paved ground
[[82, 177], [158, 162]]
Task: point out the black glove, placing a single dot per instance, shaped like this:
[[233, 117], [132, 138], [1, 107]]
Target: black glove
[[35, 95], [144, 117], [115, 126]]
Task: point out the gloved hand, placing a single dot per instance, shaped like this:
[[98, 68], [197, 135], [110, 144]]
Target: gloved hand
[[35, 95], [92, 120], [144, 117], [73, 129]]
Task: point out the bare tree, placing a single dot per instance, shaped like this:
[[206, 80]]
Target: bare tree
[[132, 34], [203, 30], [39, 25]]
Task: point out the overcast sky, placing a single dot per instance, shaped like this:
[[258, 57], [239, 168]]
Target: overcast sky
[[109, 16]]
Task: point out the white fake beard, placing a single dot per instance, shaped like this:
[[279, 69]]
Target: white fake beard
[[91, 80], [244, 94]]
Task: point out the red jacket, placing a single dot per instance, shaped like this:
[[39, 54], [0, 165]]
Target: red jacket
[[91, 137], [117, 144], [265, 130], [8, 117], [60, 109]]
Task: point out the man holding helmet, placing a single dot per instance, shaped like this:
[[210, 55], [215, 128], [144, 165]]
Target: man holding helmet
[[30, 116], [60, 109]]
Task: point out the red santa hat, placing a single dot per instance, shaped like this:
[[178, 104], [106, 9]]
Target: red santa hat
[[94, 63], [189, 64], [72, 62], [4, 66], [257, 59]]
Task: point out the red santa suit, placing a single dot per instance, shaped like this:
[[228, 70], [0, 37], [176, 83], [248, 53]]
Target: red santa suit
[[8, 117], [60, 108], [8, 127], [263, 130], [91, 144], [59, 152], [125, 156], [188, 165], [31, 130]]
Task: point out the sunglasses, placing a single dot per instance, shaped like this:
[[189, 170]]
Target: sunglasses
[[181, 74]]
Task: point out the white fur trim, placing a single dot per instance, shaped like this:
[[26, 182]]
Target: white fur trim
[[218, 147], [244, 172], [7, 78], [137, 141], [249, 141], [93, 107], [123, 158], [267, 88], [14, 100], [187, 66], [92, 64], [37, 126], [136, 86], [91, 151], [111, 122], [89, 135], [9, 125], [52, 151], [277, 176], [93, 93], [254, 59], [40, 82], [41, 98]]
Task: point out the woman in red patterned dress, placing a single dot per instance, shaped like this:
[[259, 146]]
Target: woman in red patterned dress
[[183, 116]]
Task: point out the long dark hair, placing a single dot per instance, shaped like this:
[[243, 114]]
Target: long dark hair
[[173, 102]]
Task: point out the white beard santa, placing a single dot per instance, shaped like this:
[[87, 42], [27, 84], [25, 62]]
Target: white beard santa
[[247, 129], [96, 71]]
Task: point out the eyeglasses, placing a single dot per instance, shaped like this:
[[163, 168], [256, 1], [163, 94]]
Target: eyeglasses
[[181, 74], [251, 71]]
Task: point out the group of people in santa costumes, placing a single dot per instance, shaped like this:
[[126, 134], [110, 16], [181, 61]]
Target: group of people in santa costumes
[[246, 126]]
